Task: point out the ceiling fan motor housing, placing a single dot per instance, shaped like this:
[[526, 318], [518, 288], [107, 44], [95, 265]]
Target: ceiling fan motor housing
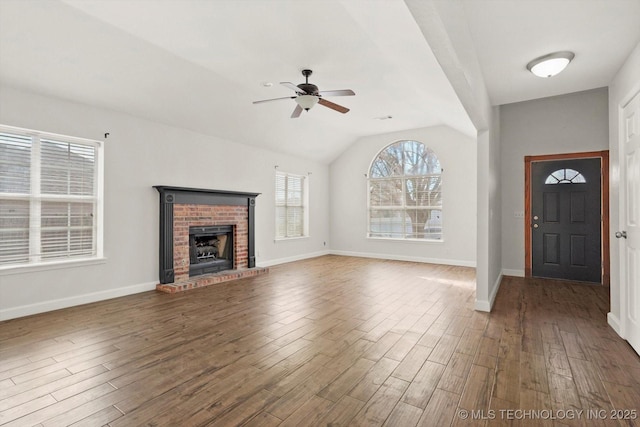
[[309, 88]]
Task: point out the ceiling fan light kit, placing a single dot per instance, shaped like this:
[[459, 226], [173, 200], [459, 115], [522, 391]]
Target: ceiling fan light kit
[[551, 64], [308, 95], [307, 101]]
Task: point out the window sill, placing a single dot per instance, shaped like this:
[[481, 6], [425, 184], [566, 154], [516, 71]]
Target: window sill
[[286, 239], [394, 239], [52, 265]]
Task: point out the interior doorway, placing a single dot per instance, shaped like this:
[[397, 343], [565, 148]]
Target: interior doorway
[[567, 216]]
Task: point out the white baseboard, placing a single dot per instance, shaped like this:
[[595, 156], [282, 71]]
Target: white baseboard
[[515, 273], [461, 263], [614, 322], [273, 262], [481, 305], [56, 304]]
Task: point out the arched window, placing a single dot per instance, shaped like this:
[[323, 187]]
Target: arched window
[[405, 198], [565, 176]]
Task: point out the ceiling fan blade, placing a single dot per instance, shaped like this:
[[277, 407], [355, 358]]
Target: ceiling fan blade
[[333, 106], [343, 92], [273, 99], [292, 87], [296, 112]]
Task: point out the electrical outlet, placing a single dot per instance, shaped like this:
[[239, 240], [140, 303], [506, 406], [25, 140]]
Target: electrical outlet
[[518, 214]]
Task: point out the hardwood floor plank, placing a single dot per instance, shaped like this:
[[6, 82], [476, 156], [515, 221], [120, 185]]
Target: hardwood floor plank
[[378, 408], [342, 412], [59, 409], [99, 418], [375, 377], [297, 376], [326, 341], [26, 408], [533, 372], [403, 415], [341, 385], [244, 411], [444, 349], [455, 374], [263, 419], [556, 359], [478, 389], [423, 384], [587, 381], [382, 346], [573, 346], [507, 381], [440, 410], [309, 413], [563, 393], [403, 346]]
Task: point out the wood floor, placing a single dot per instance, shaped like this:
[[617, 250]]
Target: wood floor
[[330, 341]]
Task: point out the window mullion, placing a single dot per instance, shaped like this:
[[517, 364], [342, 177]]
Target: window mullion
[[35, 206], [404, 203]]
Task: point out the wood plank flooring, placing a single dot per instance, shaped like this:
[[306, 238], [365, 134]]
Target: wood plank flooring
[[331, 341]]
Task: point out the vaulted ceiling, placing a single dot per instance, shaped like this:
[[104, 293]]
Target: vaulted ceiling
[[200, 64]]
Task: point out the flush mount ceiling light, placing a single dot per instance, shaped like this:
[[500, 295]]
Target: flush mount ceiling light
[[551, 64]]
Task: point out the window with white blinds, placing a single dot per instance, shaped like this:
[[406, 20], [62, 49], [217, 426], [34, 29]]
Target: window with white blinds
[[49, 197], [290, 206]]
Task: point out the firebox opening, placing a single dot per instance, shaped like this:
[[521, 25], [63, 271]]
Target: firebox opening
[[210, 249]]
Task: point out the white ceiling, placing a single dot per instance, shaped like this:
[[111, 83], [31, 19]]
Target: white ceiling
[[199, 64], [509, 33]]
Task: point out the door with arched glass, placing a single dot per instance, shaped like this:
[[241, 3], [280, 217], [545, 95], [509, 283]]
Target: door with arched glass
[[566, 219]]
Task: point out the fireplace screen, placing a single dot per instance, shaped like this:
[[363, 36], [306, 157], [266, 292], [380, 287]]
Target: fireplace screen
[[210, 249]]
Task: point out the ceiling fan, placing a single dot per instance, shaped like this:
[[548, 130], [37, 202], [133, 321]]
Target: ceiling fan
[[308, 95]]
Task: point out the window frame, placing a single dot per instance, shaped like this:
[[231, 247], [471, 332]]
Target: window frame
[[304, 205], [35, 197], [403, 207]]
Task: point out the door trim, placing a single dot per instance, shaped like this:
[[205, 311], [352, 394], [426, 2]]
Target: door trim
[[604, 172]]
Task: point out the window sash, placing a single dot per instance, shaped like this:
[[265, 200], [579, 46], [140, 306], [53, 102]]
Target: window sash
[[57, 216], [290, 209], [401, 203], [392, 193]]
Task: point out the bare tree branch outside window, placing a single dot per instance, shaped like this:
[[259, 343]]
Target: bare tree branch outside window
[[405, 197]]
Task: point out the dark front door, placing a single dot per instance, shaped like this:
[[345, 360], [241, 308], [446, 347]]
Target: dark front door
[[566, 219]]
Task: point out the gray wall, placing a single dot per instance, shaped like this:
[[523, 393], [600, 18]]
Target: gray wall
[[569, 123]]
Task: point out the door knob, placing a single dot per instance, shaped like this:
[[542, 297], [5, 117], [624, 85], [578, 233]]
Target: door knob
[[620, 234], [535, 225]]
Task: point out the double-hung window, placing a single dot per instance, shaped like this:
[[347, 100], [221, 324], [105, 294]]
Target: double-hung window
[[291, 212], [50, 197], [405, 193]]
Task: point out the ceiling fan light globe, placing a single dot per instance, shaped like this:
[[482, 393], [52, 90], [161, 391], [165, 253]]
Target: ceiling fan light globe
[[307, 101]]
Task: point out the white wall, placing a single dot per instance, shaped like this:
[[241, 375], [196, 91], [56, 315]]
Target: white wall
[[569, 123], [625, 84], [457, 154], [138, 155]]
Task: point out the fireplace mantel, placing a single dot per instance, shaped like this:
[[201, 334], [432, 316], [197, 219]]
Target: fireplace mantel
[[171, 196]]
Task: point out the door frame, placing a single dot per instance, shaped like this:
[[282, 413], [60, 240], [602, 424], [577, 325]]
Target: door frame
[[604, 203]]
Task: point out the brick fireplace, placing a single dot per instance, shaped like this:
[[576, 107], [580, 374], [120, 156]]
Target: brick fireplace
[[206, 237]]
